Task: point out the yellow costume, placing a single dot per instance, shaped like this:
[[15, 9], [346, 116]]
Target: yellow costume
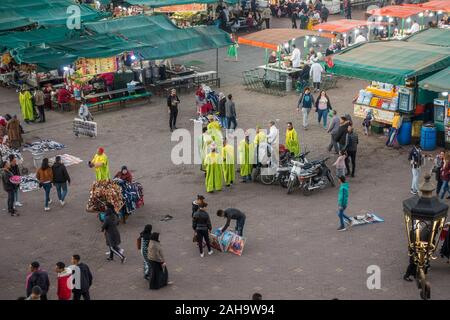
[[228, 164], [102, 172]]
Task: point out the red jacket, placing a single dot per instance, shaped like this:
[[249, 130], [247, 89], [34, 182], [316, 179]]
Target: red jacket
[[64, 291], [63, 95]]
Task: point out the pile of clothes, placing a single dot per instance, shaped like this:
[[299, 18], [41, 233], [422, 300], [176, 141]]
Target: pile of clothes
[[103, 192], [206, 100], [43, 146], [6, 151], [29, 183], [133, 196]]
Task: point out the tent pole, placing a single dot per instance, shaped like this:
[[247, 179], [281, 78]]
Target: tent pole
[[403, 26], [217, 62], [266, 57]]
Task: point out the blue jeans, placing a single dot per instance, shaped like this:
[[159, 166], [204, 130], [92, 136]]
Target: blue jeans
[[231, 122], [223, 122], [47, 187], [61, 190], [240, 226], [443, 190], [16, 195], [323, 114], [415, 180], [342, 216]]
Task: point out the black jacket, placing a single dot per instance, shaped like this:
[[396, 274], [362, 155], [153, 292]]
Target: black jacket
[[232, 214], [85, 278], [221, 108], [316, 104], [38, 278], [351, 142], [201, 221], [7, 185], [60, 174], [112, 234], [341, 134], [172, 107]]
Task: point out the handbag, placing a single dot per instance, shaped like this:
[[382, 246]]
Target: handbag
[[138, 243]]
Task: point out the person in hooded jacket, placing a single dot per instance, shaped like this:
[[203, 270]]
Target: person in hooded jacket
[[60, 179], [143, 242], [63, 290], [9, 187], [221, 110], [124, 174], [112, 234]]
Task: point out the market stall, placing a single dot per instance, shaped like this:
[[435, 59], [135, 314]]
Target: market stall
[[279, 74], [348, 29], [399, 19], [394, 69], [435, 9], [432, 36], [439, 83]]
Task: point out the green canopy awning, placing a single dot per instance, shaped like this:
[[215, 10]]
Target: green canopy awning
[[15, 14], [18, 39], [433, 36], [164, 3], [390, 61], [160, 37], [438, 82]]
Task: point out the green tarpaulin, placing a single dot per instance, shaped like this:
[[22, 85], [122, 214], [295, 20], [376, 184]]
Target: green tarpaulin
[[16, 14], [161, 37], [390, 61], [164, 3], [19, 39], [434, 36], [438, 82], [55, 54]]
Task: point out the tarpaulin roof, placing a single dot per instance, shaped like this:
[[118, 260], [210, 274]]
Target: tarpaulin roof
[[161, 37], [341, 26], [433, 36], [390, 61], [438, 82], [272, 38], [53, 55], [18, 39], [16, 14], [396, 11], [436, 5], [164, 3]]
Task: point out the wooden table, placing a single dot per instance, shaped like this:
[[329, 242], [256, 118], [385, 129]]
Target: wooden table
[[113, 92]]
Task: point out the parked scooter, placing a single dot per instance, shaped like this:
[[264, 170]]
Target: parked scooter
[[309, 176], [281, 174]]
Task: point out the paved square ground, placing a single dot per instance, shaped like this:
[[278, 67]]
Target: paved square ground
[[293, 250]]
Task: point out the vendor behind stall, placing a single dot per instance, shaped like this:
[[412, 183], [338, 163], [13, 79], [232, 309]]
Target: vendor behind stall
[[124, 174]]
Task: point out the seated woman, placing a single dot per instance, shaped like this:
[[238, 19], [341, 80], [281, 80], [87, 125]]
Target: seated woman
[[124, 175], [250, 21]]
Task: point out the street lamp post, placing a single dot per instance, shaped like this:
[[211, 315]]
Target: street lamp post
[[425, 216]]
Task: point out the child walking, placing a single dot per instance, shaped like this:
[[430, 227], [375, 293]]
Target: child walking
[[367, 122], [340, 164]]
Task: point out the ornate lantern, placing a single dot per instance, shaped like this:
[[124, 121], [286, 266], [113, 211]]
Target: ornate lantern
[[425, 216]]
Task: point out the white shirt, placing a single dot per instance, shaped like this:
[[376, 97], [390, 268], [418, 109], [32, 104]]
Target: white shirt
[[296, 58], [360, 38], [414, 28], [316, 72], [272, 137]]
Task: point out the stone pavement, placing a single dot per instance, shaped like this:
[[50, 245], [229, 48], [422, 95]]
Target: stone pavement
[[293, 250]]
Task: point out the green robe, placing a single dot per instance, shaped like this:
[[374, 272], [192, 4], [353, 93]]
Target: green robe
[[101, 173], [228, 164], [292, 142], [26, 105], [203, 143], [213, 166], [246, 152]]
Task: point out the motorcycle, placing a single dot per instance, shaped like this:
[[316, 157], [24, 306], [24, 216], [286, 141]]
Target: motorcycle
[[281, 174], [309, 176]]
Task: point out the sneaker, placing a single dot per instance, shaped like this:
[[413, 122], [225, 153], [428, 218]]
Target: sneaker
[[123, 260], [202, 255], [109, 259], [50, 201], [62, 203], [169, 283], [46, 209], [210, 252], [413, 192], [342, 229], [121, 251], [15, 214], [18, 204]]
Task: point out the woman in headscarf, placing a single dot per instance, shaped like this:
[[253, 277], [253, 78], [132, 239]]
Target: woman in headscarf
[[144, 241], [101, 164], [124, 174], [160, 276], [112, 234]]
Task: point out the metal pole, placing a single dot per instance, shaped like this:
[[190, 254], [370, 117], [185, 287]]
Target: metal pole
[[217, 62]]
